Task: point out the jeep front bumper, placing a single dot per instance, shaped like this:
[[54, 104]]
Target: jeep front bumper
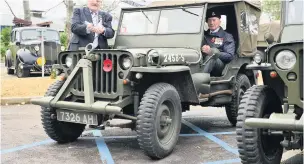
[[89, 105], [277, 121], [100, 107]]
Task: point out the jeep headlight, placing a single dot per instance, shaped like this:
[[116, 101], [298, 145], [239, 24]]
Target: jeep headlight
[[36, 48], [258, 58], [62, 48], [126, 62], [285, 59], [68, 61]]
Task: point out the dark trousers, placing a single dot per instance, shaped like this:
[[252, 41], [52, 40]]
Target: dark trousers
[[214, 66]]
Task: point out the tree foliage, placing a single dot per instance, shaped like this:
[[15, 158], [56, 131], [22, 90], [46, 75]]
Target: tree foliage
[[5, 39], [64, 39], [272, 7]]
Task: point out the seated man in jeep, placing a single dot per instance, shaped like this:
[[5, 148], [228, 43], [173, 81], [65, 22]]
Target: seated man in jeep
[[218, 42]]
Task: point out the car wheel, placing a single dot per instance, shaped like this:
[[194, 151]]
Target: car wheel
[[159, 120], [10, 71], [256, 145], [21, 72], [241, 85], [62, 132]]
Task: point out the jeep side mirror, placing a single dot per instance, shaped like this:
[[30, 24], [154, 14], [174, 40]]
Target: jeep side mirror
[[269, 38]]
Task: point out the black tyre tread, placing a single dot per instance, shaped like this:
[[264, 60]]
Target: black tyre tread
[[146, 117], [10, 71], [25, 72], [62, 132], [232, 108], [247, 139]]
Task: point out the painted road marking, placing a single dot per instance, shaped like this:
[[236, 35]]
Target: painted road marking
[[211, 137], [105, 154], [103, 149], [225, 161], [221, 133], [27, 146]]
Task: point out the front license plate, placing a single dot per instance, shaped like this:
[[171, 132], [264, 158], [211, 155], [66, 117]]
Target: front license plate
[[77, 117]]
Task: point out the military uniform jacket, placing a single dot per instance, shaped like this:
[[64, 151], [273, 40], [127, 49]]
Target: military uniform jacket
[[223, 41]]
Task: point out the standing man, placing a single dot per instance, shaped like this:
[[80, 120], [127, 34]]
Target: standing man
[[218, 42], [89, 22]]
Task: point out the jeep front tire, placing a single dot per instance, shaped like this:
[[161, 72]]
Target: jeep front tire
[[62, 132], [256, 145], [159, 120]]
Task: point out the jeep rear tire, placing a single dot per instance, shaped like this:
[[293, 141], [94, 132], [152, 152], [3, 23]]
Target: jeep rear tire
[[62, 132], [159, 120], [241, 85], [254, 144]]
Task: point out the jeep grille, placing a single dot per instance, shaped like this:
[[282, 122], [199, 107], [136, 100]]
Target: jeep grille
[[104, 83]]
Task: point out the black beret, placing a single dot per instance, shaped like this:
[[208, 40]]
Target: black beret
[[213, 14]]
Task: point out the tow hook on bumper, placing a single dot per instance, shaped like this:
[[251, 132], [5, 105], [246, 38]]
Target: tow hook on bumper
[[97, 107], [277, 122]]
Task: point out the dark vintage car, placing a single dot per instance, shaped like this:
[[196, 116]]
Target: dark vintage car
[[25, 51]]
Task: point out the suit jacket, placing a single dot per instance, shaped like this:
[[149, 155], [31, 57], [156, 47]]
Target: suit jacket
[[224, 42], [80, 36]]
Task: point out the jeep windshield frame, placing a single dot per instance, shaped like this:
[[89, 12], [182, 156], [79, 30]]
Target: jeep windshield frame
[[293, 13], [291, 21], [162, 27], [162, 21]]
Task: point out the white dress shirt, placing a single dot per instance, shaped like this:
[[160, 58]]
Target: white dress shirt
[[95, 18]]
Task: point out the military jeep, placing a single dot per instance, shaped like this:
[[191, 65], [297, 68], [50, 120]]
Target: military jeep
[[270, 116], [152, 74], [25, 53]]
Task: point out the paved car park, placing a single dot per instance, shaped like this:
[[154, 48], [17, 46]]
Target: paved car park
[[206, 138]]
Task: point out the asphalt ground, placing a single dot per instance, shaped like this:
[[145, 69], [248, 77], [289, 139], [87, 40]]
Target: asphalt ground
[[206, 138]]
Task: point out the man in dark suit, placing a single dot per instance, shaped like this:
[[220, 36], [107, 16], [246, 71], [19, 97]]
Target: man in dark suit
[[89, 22], [219, 43]]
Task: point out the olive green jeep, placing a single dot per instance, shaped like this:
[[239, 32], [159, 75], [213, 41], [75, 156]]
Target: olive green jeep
[[152, 74], [270, 116]]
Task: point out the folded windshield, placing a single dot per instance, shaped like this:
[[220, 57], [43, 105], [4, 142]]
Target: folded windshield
[[177, 20]]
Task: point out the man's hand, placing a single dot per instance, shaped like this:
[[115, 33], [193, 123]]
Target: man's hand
[[99, 30], [206, 49], [90, 27]]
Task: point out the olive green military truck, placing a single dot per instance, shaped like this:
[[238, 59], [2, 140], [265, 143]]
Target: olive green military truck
[[270, 116], [152, 74]]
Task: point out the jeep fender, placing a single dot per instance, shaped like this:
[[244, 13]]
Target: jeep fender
[[178, 76], [8, 58], [26, 56], [251, 74]]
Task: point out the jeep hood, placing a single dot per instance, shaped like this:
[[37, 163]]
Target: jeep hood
[[189, 55]]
